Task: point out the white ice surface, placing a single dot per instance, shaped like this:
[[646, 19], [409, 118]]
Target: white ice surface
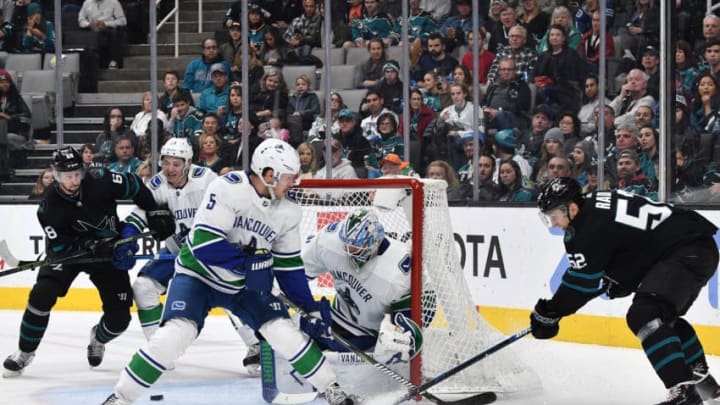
[[211, 371]]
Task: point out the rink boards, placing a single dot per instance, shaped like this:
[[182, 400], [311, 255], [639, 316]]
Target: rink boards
[[510, 260]]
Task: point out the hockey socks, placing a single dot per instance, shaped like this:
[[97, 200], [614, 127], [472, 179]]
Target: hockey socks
[[150, 319], [32, 328], [691, 346], [155, 357], [303, 353], [664, 350]]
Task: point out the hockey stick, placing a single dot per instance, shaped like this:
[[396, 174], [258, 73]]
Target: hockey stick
[[108, 259], [380, 366], [462, 366], [22, 265], [268, 378]]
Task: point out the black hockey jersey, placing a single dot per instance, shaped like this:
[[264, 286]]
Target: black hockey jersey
[[619, 235], [92, 213]]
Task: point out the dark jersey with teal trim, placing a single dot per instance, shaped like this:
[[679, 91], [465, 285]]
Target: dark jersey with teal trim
[[619, 235], [92, 213]]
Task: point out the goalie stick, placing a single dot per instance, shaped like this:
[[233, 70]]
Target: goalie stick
[[465, 364], [482, 398], [22, 265], [268, 377]]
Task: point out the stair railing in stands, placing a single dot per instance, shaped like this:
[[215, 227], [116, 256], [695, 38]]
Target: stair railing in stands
[[175, 12]]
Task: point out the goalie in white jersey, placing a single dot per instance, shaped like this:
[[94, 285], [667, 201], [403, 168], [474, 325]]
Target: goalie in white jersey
[[372, 278], [245, 232]]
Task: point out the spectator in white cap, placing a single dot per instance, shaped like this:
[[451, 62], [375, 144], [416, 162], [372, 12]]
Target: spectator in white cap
[[215, 99]]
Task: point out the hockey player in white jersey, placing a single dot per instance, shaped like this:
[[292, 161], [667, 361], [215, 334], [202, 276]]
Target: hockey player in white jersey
[[372, 278], [180, 186], [245, 232]]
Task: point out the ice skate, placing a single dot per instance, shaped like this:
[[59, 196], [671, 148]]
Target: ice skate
[[683, 393], [335, 395], [15, 363], [114, 400], [252, 360], [706, 385], [95, 350]]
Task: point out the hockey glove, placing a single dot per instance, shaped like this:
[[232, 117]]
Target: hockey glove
[[544, 322], [124, 256], [257, 269], [161, 221], [319, 327], [402, 336]]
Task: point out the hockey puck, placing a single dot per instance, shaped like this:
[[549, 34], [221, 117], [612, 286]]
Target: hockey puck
[[158, 397]]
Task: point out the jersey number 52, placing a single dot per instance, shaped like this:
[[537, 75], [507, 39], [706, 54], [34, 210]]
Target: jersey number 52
[[649, 215]]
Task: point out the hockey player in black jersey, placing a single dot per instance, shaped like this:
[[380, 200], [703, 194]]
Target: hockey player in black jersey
[[80, 215], [620, 243]]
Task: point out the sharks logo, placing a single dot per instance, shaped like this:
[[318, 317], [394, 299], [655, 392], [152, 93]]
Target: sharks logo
[[107, 223]]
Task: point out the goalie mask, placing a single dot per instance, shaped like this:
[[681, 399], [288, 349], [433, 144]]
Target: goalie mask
[[362, 233]]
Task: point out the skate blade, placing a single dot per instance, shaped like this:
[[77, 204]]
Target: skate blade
[[11, 374], [253, 370]]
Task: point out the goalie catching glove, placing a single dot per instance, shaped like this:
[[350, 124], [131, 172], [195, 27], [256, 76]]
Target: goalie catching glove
[[401, 335]]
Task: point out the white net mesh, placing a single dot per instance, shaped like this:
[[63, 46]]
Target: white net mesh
[[453, 329]]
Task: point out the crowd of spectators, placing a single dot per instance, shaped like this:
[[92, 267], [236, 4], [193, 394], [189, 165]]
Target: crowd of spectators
[[537, 85]]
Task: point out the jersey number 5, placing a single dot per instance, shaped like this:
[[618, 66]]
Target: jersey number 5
[[649, 215]]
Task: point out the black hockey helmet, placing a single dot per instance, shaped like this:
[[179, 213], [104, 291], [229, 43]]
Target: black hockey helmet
[[67, 159], [559, 191]]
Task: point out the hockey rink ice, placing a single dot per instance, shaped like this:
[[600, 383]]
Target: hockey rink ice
[[211, 370]]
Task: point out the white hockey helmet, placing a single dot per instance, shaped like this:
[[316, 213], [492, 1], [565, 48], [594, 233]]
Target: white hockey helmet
[[277, 155], [362, 233], [179, 148]]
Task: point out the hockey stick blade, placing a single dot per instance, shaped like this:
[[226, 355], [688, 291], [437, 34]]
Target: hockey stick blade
[[465, 364], [270, 392], [479, 399], [5, 254]]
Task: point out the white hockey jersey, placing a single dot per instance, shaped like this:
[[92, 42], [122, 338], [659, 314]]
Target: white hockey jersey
[[363, 296], [232, 211], [183, 202]]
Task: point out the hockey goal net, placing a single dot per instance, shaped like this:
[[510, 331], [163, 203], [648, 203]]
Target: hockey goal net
[[416, 212]]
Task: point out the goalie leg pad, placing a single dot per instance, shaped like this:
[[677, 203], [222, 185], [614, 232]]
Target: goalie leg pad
[[155, 357], [304, 354]]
